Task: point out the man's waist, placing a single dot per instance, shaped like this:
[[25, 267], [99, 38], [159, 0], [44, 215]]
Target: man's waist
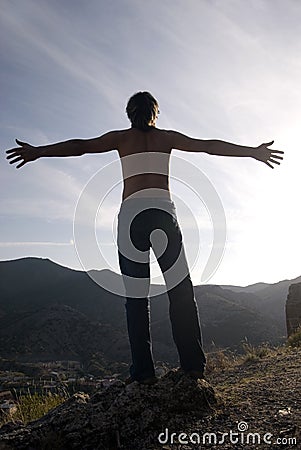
[[148, 202]]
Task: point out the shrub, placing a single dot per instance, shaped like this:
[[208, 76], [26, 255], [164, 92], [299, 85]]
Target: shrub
[[294, 340], [253, 353], [219, 360]]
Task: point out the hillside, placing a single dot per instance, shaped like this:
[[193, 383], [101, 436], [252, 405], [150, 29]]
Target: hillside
[[59, 332], [52, 311], [269, 299]]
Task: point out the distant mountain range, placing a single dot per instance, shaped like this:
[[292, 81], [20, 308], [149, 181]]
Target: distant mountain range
[[52, 312]]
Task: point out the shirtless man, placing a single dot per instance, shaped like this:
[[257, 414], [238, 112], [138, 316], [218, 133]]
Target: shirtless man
[[147, 206]]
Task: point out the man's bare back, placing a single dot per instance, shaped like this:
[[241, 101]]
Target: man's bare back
[[145, 184]]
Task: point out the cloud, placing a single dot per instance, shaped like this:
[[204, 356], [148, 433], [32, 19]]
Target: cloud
[[47, 35], [35, 244]]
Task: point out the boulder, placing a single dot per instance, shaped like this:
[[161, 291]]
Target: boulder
[[293, 308], [119, 416]]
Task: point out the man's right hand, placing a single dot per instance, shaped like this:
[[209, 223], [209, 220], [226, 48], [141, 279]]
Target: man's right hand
[[24, 153]]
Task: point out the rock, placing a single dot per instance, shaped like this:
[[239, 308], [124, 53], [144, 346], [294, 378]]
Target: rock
[[120, 416], [293, 308]]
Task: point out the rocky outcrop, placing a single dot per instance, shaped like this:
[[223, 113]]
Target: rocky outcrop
[[293, 308], [119, 417]]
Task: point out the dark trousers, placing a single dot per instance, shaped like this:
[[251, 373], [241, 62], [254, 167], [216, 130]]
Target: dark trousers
[[145, 223]]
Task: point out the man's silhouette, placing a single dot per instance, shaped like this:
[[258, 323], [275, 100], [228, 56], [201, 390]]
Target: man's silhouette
[[146, 208]]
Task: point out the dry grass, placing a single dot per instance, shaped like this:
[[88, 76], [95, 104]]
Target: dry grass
[[219, 360], [254, 353], [33, 406]]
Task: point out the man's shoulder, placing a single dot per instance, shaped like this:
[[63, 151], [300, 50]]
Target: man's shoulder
[[128, 131], [133, 133]]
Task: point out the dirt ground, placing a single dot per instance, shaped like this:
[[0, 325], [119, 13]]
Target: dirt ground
[[259, 395]]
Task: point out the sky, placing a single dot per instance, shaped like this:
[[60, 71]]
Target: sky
[[220, 69]]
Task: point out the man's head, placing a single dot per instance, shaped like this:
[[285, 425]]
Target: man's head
[[142, 110]]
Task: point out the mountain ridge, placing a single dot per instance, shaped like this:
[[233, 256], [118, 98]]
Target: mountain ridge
[[228, 318]]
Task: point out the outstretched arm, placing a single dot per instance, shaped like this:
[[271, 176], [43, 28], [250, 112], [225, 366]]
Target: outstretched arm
[[74, 147], [217, 147]]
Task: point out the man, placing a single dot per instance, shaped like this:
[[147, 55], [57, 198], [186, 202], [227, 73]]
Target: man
[[146, 208]]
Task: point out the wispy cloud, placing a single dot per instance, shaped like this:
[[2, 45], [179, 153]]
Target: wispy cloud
[[34, 22], [35, 244]]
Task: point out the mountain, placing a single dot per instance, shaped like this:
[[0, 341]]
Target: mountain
[[58, 332], [252, 288], [29, 283], [52, 311], [268, 299]]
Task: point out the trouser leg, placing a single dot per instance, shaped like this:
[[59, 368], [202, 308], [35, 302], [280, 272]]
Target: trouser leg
[[186, 328], [183, 308], [136, 278]]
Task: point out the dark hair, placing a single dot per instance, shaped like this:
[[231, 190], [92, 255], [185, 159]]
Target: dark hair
[[141, 109]]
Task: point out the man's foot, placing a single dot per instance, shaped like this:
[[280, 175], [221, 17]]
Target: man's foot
[[147, 381], [195, 374]]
